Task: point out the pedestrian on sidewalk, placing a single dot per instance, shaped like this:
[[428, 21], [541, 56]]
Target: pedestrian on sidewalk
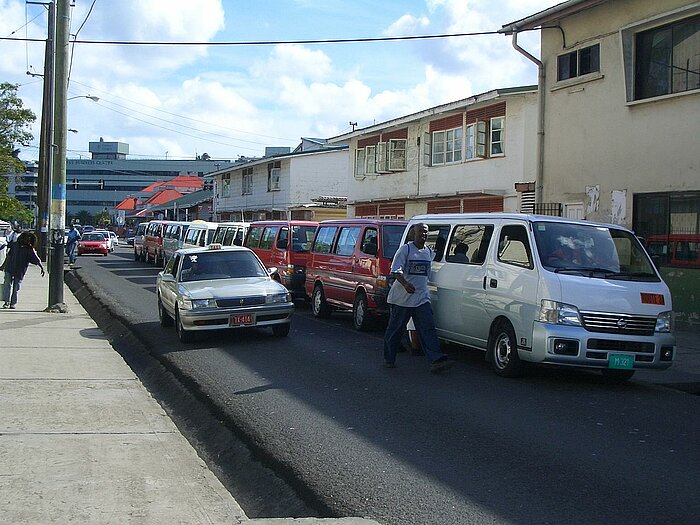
[[21, 255], [72, 244], [409, 298]]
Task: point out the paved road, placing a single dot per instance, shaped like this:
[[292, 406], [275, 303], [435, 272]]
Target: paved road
[[404, 446]]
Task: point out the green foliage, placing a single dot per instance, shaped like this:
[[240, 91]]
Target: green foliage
[[84, 217], [102, 218], [14, 122], [11, 209]]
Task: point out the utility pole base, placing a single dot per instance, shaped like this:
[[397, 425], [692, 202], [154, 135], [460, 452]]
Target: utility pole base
[[58, 308]]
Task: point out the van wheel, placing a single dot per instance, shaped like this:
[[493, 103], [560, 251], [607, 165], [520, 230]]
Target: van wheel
[[185, 336], [361, 318], [612, 375], [319, 306], [503, 351], [163, 316]]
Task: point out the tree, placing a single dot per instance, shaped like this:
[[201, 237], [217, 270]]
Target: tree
[[84, 217], [102, 218], [14, 121]]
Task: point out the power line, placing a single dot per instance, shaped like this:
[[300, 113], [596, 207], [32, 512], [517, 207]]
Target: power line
[[272, 42]]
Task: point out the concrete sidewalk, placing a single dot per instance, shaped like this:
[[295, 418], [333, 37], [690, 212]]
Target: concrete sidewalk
[[81, 440]]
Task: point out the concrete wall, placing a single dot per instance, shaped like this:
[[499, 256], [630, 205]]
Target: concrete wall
[[596, 142]]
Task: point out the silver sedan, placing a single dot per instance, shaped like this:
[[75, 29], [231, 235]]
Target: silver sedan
[[220, 287]]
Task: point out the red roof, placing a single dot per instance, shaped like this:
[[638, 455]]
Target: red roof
[[164, 196], [127, 204]]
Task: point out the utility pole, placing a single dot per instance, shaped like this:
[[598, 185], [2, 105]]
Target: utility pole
[[46, 139], [58, 180]]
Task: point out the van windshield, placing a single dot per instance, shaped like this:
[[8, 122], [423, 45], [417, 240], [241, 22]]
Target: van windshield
[[302, 236], [391, 239], [592, 251]]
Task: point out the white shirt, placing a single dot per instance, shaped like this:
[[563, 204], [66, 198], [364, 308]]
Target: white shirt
[[414, 265]]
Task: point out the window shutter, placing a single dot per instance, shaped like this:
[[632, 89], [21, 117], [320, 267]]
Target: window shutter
[[427, 150], [488, 204], [397, 155], [481, 139], [444, 206], [360, 163], [382, 157]]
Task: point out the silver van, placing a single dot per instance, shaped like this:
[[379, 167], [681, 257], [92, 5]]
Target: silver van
[[548, 290], [200, 233], [231, 233], [173, 238]]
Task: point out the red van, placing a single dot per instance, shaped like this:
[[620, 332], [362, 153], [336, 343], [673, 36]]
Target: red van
[[676, 249], [349, 266], [153, 242], [284, 245]]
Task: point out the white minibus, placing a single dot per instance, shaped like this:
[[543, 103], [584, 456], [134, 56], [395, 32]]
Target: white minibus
[[548, 290]]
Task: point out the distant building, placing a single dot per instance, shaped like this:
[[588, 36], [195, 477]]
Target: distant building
[[109, 177]]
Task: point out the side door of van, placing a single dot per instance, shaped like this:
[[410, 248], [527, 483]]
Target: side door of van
[[343, 264], [512, 279], [265, 248], [459, 279]]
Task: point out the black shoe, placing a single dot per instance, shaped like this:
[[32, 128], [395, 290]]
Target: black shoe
[[441, 365], [387, 364]]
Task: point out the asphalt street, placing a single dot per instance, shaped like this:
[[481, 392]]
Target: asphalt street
[[405, 446]]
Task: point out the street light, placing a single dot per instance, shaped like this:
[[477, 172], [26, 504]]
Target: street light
[[91, 97]]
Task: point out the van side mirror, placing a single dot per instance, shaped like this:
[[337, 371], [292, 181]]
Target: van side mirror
[[281, 243]]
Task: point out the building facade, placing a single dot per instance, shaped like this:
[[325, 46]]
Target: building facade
[[475, 154], [291, 185], [621, 94], [23, 186]]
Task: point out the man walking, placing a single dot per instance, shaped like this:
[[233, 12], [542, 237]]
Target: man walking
[[409, 298], [72, 244]]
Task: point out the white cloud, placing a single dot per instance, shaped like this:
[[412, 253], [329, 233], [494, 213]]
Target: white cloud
[[294, 60], [408, 25]]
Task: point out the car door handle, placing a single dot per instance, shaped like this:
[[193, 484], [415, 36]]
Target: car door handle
[[483, 284], [493, 283]]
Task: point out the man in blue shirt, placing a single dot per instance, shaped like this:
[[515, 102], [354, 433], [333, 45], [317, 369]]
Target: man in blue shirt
[[409, 298]]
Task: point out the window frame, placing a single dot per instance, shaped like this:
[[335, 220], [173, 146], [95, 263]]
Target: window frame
[[341, 246], [397, 154], [360, 165], [573, 61], [247, 181], [453, 137], [502, 136]]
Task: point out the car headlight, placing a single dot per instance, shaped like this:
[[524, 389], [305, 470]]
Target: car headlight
[[553, 312], [193, 304], [664, 322], [283, 297]]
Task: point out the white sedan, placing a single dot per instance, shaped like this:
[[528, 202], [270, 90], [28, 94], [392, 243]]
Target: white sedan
[[219, 287]]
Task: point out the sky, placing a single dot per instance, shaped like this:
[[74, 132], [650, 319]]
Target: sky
[[181, 101]]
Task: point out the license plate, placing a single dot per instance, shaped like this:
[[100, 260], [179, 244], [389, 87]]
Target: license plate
[[242, 319], [621, 361]]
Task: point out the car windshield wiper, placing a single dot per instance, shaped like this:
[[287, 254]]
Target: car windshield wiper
[[607, 272]]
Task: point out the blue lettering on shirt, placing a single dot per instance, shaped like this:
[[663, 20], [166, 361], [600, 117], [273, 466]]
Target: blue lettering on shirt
[[418, 267]]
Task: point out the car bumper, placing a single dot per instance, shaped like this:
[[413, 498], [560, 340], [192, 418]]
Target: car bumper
[[218, 318], [593, 349]]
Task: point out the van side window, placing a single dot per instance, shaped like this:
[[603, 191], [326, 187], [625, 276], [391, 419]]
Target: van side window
[[228, 236], [202, 237], [514, 247], [324, 239], [347, 240], [268, 237], [191, 237], [437, 238], [370, 244], [283, 238], [238, 240], [219, 235], [469, 243], [254, 235]]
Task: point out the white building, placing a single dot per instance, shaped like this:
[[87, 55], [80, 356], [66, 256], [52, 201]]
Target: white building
[[467, 155], [307, 183]]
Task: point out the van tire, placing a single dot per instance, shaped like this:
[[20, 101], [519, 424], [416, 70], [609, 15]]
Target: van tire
[[361, 318], [319, 306], [503, 351], [612, 375]]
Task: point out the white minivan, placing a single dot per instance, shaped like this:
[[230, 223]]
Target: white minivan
[[199, 234], [548, 290]]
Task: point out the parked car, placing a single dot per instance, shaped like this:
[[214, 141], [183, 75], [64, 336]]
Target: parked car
[[285, 246], [200, 233], [220, 287], [93, 242], [349, 265], [115, 239], [173, 238], [231, 233], [137, 243], [548, 290]]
